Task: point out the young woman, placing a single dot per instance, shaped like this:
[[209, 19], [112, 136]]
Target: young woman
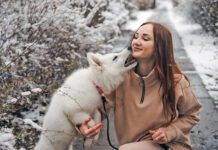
[[155, 97]]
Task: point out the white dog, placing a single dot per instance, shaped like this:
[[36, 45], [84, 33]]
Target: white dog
[[78, 98]]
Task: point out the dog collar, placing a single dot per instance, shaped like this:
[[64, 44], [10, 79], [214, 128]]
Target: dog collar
[[100, 91]]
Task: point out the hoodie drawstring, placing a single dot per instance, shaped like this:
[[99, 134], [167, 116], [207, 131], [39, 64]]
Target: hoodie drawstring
[[142, 83]]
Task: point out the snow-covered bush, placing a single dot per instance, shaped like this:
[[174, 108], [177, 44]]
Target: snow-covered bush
[[144, 4], [204, 12], [41, 43], [40, 37], [177, 2]]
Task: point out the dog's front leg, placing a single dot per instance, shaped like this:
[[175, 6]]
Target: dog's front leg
[[89, 142], [80, 117], [97, 119]]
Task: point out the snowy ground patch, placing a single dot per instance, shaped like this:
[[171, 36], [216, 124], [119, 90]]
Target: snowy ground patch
[[7, 139]]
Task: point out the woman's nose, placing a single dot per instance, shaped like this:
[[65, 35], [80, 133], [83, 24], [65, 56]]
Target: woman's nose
[[137, 42]]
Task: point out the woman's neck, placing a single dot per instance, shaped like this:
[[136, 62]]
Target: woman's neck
[[144, 68]]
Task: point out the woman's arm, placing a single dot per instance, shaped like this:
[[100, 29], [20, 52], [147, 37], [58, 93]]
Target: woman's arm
[[188, 115], [188, 111]]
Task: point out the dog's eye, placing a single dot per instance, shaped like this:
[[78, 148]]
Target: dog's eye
[[115, 57]]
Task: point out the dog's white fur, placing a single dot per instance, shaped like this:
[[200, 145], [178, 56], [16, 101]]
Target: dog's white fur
[[77, 99]]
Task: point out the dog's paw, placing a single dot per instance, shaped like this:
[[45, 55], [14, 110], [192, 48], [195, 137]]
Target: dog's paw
[[91, 123]]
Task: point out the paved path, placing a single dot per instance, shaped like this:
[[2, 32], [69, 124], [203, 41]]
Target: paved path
[[204, 136]]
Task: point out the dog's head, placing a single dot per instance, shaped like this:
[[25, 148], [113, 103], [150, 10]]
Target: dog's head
[[112, 63], [111, 67]]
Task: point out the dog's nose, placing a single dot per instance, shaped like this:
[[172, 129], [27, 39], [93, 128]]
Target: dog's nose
[[129, 48]]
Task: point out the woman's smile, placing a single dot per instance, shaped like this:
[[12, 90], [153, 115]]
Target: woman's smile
[[136, 49], [143, 43]]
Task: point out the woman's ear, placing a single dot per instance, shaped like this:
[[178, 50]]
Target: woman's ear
[[94, 60]]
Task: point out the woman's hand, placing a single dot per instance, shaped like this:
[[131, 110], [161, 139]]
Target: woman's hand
[[159, 135], [90, 132]]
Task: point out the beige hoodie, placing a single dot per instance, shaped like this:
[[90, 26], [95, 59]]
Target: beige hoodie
[[133, 118]]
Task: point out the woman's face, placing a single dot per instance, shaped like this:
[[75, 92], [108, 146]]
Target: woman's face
[[143, 43]]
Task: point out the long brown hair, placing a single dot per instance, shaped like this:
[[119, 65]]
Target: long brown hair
[[166, 66]]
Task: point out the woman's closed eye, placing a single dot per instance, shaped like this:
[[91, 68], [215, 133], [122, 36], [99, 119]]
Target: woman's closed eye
[[146, 37]]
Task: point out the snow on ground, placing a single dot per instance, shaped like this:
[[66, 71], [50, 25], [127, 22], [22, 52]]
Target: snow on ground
[[7, 140]]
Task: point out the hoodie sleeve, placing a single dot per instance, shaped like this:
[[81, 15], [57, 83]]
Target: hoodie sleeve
[[188, 114]]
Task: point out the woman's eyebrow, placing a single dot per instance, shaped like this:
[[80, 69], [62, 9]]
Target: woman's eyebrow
[[145, 34]]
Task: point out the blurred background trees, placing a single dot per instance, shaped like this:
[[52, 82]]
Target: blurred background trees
[[204, 12]]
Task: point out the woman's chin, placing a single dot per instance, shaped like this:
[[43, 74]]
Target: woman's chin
[[136, 55]]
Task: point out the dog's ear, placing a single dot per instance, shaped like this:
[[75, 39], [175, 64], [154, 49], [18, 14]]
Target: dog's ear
[[94, 60]]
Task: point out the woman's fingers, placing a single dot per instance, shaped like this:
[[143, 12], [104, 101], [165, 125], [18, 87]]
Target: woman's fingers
[[89, 131], [95, 127], [92, 134], [87, 121], [158, 135], [155, 134], [93, 130]]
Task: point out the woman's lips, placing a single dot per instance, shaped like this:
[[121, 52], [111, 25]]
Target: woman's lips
[[137, 49]]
